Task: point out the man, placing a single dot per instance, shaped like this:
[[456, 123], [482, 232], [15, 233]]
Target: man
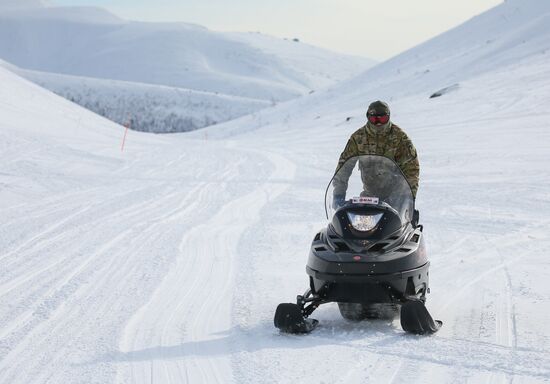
[[378, 137]]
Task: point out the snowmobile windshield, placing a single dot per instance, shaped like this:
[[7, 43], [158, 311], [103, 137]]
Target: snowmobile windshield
[[370, 179]]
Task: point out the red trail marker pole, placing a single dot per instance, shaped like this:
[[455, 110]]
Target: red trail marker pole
[[127, 125]]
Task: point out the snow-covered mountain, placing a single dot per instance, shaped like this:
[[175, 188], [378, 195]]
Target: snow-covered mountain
[[164, 262], [235, 74], [499, 40], [503, 36], [93, 43]]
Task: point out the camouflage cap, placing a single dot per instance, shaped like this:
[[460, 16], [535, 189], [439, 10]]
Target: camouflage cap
[[378, 108]]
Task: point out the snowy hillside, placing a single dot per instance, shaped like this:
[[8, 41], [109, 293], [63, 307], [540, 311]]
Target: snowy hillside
[[164, 263], [509, 36], [151, 108], [234, 74], [503, 36], [66, 41], [306, 60]]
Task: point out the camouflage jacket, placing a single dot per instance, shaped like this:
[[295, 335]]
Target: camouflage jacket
[[392, 143]]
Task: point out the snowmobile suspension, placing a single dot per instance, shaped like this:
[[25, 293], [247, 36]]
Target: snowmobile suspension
[[313, 300]]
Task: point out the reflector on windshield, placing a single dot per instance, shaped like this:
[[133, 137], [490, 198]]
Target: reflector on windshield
[[365, 200]]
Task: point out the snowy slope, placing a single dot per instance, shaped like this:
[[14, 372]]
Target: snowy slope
[[93, 43], [195, 77], [165, 262], [151, 108], [308, 61], [504, 35], [500, 39], [89, 232]]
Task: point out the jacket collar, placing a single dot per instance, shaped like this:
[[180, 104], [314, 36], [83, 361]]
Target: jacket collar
[[378, 130]]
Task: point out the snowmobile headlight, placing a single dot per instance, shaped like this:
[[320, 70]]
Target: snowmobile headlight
[[364, 223]]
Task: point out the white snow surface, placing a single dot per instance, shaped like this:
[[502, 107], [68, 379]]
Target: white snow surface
[[164, 263]]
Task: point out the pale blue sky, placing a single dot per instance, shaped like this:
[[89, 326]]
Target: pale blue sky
[[375, 28]]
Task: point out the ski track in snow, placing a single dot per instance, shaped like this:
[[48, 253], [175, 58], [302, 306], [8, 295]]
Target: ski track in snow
[[165, 263], [180, 284], [78, 268], [183, 310], [67, 276]]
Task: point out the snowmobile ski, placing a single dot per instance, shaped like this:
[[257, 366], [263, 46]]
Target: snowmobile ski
[[416, 319], [289, 319]]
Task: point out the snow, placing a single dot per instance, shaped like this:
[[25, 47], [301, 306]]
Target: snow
[[308, 62], [146, 107], [193, 77], [165, 262], [90, 42]]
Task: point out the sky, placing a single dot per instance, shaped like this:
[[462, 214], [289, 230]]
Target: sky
[[372, 28]]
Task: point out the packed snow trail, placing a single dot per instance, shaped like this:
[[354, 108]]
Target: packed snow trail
[[165, 262], [79, 296], [192, 306], [484, 203], [88, 237]]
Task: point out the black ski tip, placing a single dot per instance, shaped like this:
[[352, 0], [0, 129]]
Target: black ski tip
[[288, 318], [416, 319]]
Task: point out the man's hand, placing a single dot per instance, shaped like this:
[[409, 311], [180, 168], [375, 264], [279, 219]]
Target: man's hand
[[338, 201]]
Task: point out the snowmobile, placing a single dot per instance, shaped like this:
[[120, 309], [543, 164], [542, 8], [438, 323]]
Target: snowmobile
[[371, 258]]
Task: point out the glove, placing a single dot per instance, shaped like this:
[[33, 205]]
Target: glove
[[338, 201]]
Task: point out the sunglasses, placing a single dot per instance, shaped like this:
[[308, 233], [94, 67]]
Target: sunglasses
[[379, 119]]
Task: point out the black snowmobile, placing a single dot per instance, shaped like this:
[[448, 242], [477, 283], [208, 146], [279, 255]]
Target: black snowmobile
[[371, 258]]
